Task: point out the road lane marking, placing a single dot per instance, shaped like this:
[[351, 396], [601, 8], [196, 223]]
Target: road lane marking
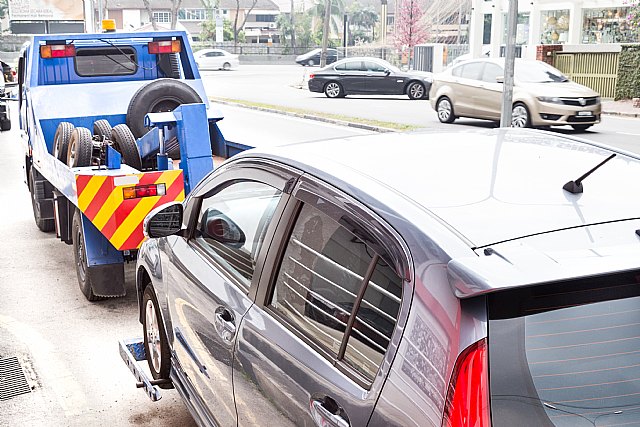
[[628, 133]]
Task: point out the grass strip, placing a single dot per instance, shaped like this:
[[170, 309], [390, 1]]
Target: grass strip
[[320, 115]]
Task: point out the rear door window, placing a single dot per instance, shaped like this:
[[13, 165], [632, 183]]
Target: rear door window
[[567, 354]]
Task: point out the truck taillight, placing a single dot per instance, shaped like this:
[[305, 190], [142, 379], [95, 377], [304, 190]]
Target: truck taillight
[[467, 402], [57, 50], [140, 191], [165, 46]]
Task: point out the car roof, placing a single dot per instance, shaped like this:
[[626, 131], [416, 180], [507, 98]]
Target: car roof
[[487, 186]]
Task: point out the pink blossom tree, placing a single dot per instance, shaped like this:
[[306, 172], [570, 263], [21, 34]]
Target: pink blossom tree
[[410, 26]]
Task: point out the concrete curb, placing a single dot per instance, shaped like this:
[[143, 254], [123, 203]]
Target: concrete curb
[[619, 113], [372, 128]]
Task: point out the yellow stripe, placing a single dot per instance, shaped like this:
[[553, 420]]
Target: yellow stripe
[[108, 208], [90, 191], [138, 213]]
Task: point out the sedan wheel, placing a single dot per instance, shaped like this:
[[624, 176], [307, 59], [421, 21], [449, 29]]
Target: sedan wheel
[[445, 110], [310, 63], [520, 116], [226, 66], [333, 90], [415, 91]]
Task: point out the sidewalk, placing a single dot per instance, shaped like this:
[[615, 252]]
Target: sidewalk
[[620, 108]]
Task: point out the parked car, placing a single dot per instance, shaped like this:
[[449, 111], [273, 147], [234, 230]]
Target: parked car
[[5, 115], [312, 57], [216, 59], [369, 76], [542, 95], [420, 279]]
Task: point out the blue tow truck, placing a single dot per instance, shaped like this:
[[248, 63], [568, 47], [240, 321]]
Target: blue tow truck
[[113, 125]]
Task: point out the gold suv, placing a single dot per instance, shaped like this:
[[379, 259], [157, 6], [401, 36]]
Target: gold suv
[[542, 95]]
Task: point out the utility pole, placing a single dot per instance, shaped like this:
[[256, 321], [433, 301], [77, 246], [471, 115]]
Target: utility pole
[[345, 29], [509, 63], [325, 33]]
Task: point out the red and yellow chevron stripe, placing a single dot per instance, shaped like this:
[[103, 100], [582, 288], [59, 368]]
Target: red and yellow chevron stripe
[[101, 199]]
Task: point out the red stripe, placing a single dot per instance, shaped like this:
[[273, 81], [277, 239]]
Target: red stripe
[[81, 182], [99, 199], [119, 215], [136, 237], [149, 178]]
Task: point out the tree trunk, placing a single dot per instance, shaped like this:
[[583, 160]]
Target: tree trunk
[[235, 26], [175, 7], [150, 12], [293, 28]]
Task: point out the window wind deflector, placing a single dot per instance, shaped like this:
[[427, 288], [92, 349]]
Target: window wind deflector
[[575, 187]]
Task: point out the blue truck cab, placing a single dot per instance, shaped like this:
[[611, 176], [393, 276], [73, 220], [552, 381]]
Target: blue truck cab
[[113, 125]]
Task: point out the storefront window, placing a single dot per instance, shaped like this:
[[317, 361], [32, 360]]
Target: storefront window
[[522, 29], [607, 26], [555, 26]]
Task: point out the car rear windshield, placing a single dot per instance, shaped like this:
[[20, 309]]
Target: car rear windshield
[[106, 61], [566, 354]]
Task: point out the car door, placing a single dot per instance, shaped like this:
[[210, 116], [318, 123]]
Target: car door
[[350, 74], [466, 87], [381, 81], [315, 348], [210, 275], [488, 102]]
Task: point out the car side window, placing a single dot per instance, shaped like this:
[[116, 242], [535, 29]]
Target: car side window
[[491, 72], [232, 223], [457, 71], [372, 66], [472, 70], [341, 67], [323, 291], [354, 66]]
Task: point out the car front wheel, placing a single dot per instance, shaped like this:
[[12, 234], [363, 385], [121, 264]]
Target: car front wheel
[[155, 340], [520, 116], [333, 90], [444, 108], [416, 90]]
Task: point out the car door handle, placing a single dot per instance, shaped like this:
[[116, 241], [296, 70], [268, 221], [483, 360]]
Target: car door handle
[[326, 412], [225, 324]]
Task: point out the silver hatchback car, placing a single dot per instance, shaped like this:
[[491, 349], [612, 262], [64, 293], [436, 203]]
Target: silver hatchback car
[[424, 279]]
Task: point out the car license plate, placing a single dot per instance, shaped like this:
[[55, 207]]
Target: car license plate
[[585, 113]]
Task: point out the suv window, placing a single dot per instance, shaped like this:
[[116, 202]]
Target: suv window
[[491, 72], [472, 70], [105, 61], [232, 224], [322, 287]]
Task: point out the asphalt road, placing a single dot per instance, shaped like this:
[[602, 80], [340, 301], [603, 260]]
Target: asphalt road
[[285, 85]]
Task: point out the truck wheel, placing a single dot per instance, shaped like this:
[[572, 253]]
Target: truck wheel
[[102, 128], [61, 141], [158, 96], [125, 143], [5, 124], [80, 148], [83, 271], [40, 191], [155, 339]]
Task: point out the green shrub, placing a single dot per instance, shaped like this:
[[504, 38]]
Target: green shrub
[[628, 84]]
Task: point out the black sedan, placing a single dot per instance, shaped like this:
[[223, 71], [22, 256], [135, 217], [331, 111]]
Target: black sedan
[[312, 57], [369, 76]]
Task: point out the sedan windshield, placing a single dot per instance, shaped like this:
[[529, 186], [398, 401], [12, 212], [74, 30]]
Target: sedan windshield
[[538, 72]]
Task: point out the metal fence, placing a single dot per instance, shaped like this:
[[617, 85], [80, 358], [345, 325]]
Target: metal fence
[[597, 70]]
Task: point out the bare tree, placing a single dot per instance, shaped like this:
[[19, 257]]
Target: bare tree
[[236, 29], [147, 5], [175, 7]]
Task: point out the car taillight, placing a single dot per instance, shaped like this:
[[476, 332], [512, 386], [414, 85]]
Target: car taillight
[[165, 46], [311, 76], [467, 402], [57, 51], [144, 191]]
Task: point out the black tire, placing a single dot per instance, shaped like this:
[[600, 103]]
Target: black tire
[[40, 191], [80, 148], [581, 127], [333, 90], [444, 109], [416, 90], [155, 339], [83, 271], [5, 124], [311, 63], [158, 96], [520, 116], [102, 128], [125, 143], [61, 141]]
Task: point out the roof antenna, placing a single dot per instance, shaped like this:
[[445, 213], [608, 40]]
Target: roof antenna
[[575, 187]]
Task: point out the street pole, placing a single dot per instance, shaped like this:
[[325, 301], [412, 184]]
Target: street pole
[[344, 31], [325, 33], [509, 62]]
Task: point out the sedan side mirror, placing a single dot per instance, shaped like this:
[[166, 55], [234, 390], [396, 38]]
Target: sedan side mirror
[[163, 221], [387, 71], [219, 227], [500, 79]]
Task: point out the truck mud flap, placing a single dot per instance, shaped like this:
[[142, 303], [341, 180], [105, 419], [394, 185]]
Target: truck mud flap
[[132, 351]]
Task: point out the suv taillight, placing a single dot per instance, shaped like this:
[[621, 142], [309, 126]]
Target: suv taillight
[[467, 402]]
